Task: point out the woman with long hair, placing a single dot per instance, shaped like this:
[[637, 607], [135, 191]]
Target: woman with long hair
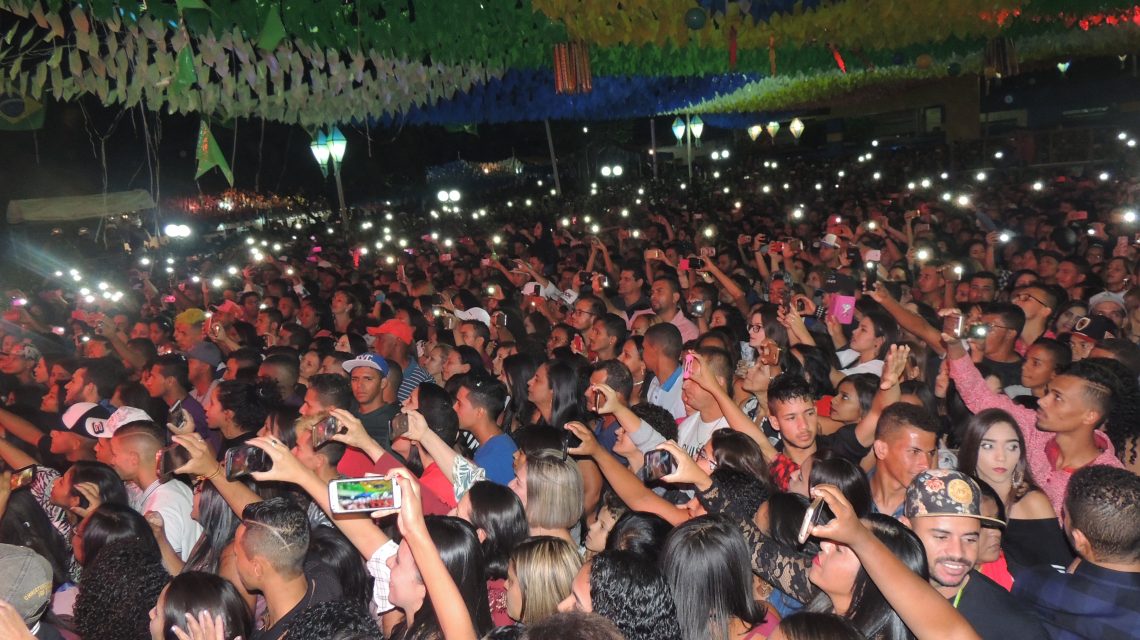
[[557, 390], [500, 520], [538, 577], [993, 450], [517, 372], [628, 589], [199, 594], [705, 562], [219, 523]]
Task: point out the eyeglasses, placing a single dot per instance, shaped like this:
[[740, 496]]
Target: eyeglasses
[[1022, 297], [755, 328]]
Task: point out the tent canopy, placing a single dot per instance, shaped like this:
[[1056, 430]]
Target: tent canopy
[[70, 208]]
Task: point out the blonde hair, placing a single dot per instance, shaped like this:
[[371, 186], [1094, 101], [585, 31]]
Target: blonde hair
[[553, 490], [545, 567]]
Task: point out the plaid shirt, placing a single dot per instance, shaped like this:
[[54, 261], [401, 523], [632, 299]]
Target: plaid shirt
[[1090, 602]]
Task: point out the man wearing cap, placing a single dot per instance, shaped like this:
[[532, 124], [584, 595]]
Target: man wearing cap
[[829, 248], [203, 361], [368, 376], [943, 508], [103, 430], [134, 449], [1088, 331], [393, 343], [25, 594], [168, 378]]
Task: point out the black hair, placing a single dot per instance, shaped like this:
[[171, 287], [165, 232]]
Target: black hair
[[330, 548], [618, 376], [614, 326], [219, 522], [499, 513], [173, 365], [785, 388], [277, 530], [334, 390], [657, 417], [250, 401], [518, 369], [845, 476], [25, 524], [112, 524], [813, 625], [1115, 394], [885, 328], [485, 391], [120, 585], [471, 357], [866, 386], [1123, 351], [574, 625], [1103, 503], [902, 414], [666, 337], [111, 488], [785, 514], [816, 368], [106, 374], [737, 451], [922, 391], [334, 620], [707, 565], [629, 590], [869, 611], [567, 387], [639, 532], [1011, 315], [196, 591], [748, 492]]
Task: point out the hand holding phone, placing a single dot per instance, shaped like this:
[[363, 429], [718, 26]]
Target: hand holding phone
[[324, 430], [818, 513], [658, 464], [22, 478], [244, 460]]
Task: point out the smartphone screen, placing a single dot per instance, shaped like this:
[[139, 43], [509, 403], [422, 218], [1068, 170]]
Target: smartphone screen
[[952, 326], [23, 477], [399, 425], [362, 495], [658, 464], [815, 515], [324, 430], [169, 459], [244, 460]]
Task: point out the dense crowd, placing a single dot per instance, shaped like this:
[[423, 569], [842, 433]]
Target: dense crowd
[[834, 399]]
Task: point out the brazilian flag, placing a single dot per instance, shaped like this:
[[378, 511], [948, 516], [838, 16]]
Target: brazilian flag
[[20, 113]]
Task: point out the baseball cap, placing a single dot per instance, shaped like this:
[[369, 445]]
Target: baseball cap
[[838, 283], [568, 297], [229, 306], [191, 317], [830, 240], [85, 418], [370, 360], [25, 581], [401, 330], [27, 352], [944, 492], [1108, 296], [206, 352], [474, 313], [1095, 328], [123, 415]]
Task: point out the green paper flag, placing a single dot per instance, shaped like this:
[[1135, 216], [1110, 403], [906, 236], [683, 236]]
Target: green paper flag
[[191, 4], [184, 72], [209, 155], [272, 32]]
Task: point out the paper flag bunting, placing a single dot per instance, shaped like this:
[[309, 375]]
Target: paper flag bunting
[[209, 155]]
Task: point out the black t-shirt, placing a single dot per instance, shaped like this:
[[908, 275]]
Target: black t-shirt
[[844, 444], [378, 423], [994, 613], [323, 586], [1008, 372]]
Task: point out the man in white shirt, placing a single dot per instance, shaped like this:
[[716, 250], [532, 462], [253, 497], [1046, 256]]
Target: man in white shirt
[[134, 447], [697, 428]]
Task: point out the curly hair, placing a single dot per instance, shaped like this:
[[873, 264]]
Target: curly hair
[[119, 588], [334, 620], [629, 590]]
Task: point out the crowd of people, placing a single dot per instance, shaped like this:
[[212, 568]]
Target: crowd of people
[[870, 405]]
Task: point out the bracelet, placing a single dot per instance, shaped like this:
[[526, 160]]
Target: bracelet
[[217, 470]]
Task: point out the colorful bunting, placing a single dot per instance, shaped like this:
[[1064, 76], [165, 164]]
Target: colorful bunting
[[209, 155]]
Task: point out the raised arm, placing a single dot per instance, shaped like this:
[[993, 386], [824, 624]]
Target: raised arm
[[625, 484], [924, 611], [733, 414], [887, 394], [908, 320]]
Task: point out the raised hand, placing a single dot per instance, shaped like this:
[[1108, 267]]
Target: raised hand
[[590, 445], [894, 366]]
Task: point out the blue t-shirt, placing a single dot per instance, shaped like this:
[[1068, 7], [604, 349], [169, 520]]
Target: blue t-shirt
[[497, 457]]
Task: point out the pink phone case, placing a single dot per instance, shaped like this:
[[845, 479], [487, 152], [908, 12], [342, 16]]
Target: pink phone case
[[842, 308]]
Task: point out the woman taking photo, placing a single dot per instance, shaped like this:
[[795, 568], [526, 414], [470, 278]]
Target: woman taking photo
[[993, 450]]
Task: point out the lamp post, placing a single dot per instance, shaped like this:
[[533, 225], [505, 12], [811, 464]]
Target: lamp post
[[691, 128]]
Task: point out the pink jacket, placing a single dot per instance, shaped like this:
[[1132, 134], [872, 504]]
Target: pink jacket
[[1051, 480]]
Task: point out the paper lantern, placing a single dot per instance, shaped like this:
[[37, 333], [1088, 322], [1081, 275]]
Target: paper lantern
[[754, 131], [695, 18], [796, 127], [773, 129]]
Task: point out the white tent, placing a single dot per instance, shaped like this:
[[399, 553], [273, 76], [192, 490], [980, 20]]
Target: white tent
[[70, 208]]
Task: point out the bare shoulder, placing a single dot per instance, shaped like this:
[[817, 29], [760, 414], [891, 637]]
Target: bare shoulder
[[1032, 506]]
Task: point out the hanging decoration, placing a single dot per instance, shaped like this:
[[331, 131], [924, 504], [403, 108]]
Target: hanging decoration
[[572, 68], [773, 129], [754, 131], [1001, 57], [838, 57], [209, 154], [796, 126]]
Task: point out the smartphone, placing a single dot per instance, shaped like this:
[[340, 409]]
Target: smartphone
[[1080, 215], [169, 459], [842, 308], [743, 239], [599, 401], [692, 264], [177, 418], [532, 289], [687, 371], [499, 319], [245, 459], [585, 277], [769, 353], [570, 440], [324, 430], [697, 308], [921, 227], [708, 252], [493, 290], [977, 332], [658, 464], [952, 326], [485, 262], [449, 322], [23, 477], [776, 247], [817, 513], [399, 426], [363, 495]]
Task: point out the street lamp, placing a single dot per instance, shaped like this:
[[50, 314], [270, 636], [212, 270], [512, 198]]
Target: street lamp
[[329, 149], [693, 127], [320, 149]]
